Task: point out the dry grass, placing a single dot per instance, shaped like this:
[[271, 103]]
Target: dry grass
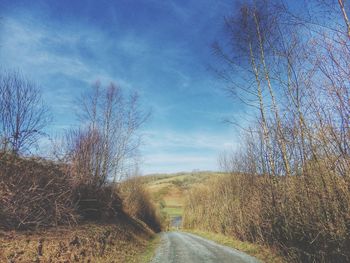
[[138, 204], [306, 218], [37, 197], [123, 241], [34, 193], [150, 251], [38, 193]]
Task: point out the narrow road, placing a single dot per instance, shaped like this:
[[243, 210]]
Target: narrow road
[[179, 247]]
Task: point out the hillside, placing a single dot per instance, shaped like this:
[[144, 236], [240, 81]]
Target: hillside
[[168, 191], [45, 216], [125, 240]]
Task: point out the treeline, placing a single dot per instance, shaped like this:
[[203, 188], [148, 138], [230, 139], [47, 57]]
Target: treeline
[[85, 178], [289, 183]]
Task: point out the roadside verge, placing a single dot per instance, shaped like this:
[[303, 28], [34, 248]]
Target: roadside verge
[[124, 240], [260, 252]]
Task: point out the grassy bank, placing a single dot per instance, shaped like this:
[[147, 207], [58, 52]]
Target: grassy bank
[[260, 252], [126, 240], [149, 252], [47, 216]]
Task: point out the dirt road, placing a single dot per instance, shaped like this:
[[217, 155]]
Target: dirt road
[[179, 247]]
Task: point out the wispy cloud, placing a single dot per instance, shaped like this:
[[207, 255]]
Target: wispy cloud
[[50, 50], [52, 56], [170, 163], [162, 139], [164, 57], [169, 151]]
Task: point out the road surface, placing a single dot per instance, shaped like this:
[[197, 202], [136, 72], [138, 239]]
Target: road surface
[[179, 247]]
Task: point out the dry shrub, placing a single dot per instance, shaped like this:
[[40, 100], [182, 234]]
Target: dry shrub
[[121, 242], [137, 203], [33, 193], [40, 193], [306, 217], [96, 203]]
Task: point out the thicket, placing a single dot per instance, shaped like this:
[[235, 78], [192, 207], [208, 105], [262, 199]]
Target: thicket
[[38, 193], [289, 184], [306, 218], [138, 203], [41, 193], [34, 193], [80, 182]]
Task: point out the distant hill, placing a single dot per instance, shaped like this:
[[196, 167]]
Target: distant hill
[[169, 190]]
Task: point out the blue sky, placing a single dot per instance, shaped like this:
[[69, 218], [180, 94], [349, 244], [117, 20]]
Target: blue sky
[[161, 48]]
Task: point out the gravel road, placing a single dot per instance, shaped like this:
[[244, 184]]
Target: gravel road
[[179, 247]]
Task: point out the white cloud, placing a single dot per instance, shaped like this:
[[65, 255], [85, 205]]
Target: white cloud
[[173, 151], [46, 51], [196, 140], [31, 48], [170, 163]]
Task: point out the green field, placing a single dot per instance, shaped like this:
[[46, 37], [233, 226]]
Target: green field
[[173, 211]]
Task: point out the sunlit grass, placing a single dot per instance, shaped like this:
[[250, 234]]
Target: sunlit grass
[[150, 250], [168, 190], [174, 211]]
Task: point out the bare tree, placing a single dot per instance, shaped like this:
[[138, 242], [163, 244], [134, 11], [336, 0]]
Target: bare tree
[[293, 67], [253, 32], [23, 115], [108, 139], [345, 15]]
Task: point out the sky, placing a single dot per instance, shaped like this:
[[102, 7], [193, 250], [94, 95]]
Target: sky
[[159, 48]]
